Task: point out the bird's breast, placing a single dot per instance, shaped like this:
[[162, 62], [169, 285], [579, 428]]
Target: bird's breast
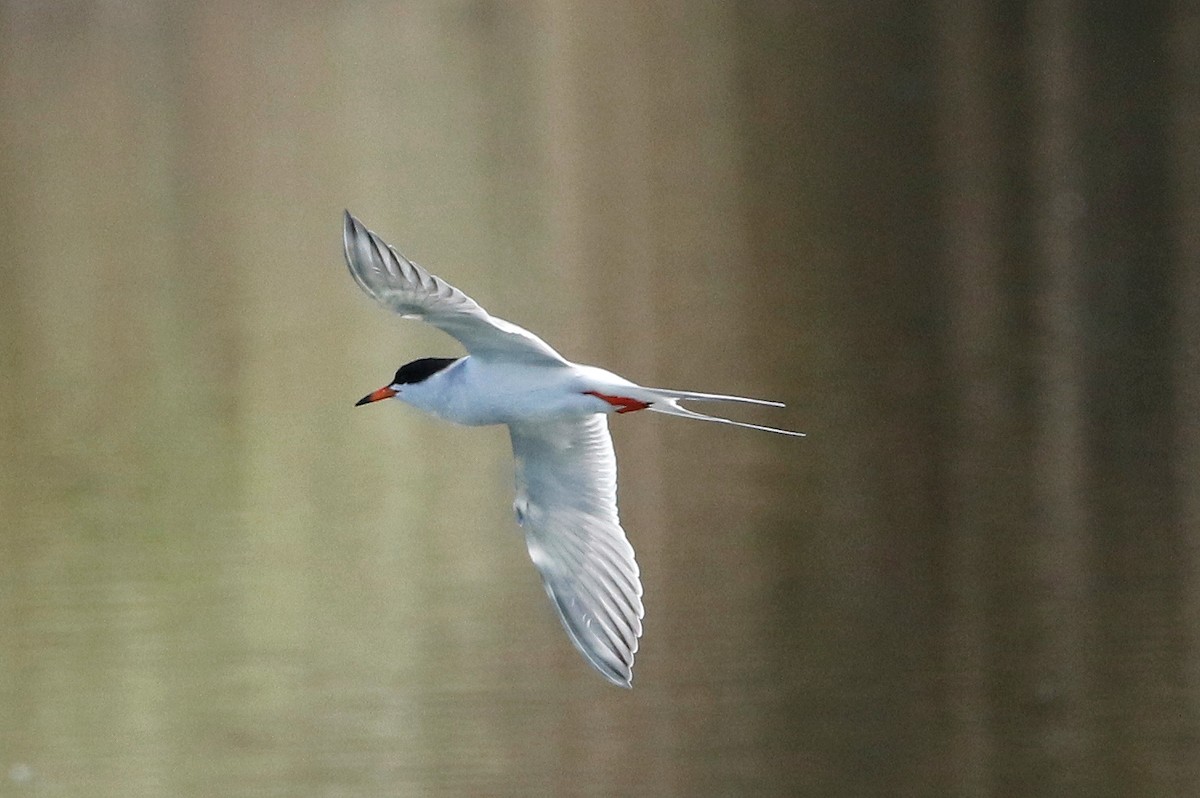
[[485, 394]]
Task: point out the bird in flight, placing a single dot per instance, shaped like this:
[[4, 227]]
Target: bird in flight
[[557, 417]]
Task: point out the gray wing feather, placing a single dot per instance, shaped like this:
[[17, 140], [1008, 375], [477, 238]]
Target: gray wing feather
[[404, 287], [567, 505]]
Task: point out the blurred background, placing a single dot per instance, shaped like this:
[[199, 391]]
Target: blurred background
[[960, 239]]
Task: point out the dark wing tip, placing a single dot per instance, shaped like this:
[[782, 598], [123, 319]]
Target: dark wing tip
[[350, 227], [363, 256], [598, 649], [348, 223]]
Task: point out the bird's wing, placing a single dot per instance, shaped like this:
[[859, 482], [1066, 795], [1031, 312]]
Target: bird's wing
[[404, 287], [567, 505]]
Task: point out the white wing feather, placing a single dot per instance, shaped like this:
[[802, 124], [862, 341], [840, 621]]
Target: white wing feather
[[404, 287], [567, 504]]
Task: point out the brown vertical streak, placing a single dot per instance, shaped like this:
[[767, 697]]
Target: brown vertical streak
[[1060, 558], [600, 112], [980, 418], [1184, 49]]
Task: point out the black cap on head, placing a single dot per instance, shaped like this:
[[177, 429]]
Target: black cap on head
[[421, 370]]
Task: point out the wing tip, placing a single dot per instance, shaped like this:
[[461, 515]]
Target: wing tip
[[350, 225], [353, 233], [604, 657], [348, 222], [372, 263], [621, 678]]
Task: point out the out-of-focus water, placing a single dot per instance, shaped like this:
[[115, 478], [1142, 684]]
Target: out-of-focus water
[[218, 577]]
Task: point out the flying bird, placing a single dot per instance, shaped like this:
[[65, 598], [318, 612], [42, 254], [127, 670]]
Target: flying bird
[[557, 417]]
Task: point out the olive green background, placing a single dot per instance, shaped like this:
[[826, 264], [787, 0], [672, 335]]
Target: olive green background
[[960, 239]]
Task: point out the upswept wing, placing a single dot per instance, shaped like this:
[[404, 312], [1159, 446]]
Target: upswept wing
[[404, 287], [567, 504]]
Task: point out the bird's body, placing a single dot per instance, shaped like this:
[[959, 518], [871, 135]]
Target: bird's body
[[477, 392], [556, 412]]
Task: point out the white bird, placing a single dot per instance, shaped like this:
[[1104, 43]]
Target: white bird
[[556, 412]]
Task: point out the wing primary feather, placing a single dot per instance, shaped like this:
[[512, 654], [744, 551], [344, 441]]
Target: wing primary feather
[[566, 500], [602, 546], [621, 640], [618, 565], [403, 286], [609, 666], [617, 606], [629, 583], [583, 622], [611, 601]]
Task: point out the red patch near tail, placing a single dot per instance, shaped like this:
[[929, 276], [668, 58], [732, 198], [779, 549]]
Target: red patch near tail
[[624, 404]]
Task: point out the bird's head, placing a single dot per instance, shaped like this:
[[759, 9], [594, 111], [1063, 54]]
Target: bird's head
[[413, 373]]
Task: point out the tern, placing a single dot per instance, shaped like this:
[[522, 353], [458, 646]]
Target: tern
[[556, 412]]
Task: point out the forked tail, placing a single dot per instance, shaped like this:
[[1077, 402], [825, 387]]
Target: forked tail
[[667, 401]]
